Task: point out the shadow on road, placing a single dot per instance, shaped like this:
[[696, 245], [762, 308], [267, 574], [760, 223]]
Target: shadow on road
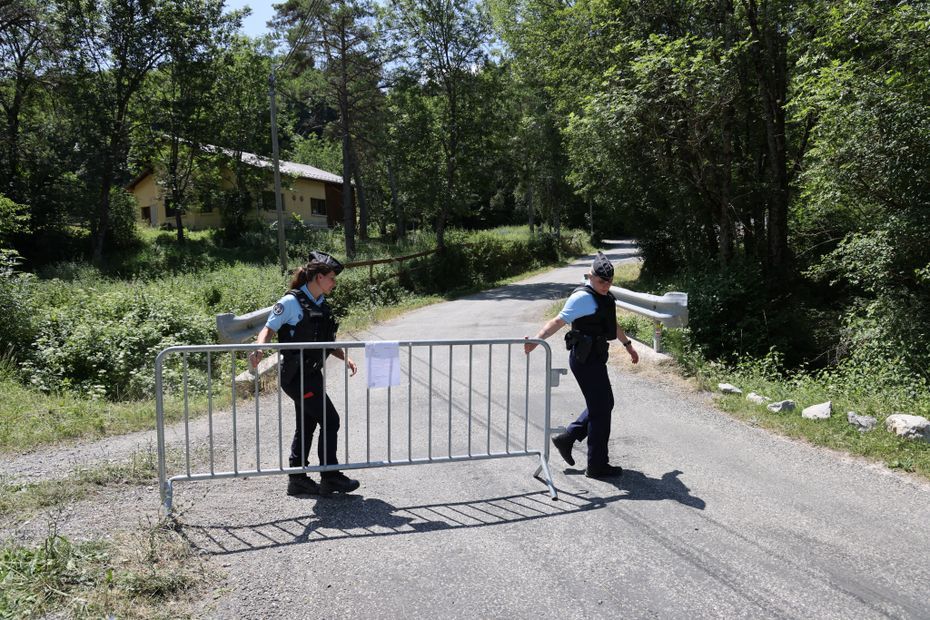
[[640, 486], [354, 516]]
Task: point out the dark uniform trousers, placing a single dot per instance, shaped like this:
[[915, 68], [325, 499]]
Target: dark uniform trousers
[[594, 421], [310, 416]]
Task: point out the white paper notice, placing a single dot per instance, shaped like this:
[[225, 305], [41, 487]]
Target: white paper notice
[[382, 363]]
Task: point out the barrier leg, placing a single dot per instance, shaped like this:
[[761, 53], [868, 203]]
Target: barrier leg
[[544, 467], [167, 496]]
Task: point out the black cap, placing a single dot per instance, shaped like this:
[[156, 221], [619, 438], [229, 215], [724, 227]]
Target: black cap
[[602, 267], [326, 259]]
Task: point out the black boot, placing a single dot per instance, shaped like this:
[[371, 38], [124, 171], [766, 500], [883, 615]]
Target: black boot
[[563, 443], [604, 471], [337, 482], [299, 484]]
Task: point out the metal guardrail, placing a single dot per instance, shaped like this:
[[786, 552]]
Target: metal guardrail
[[450, 415], [669, 310]]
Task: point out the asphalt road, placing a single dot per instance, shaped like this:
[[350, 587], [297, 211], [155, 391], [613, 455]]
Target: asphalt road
[[712, 518]]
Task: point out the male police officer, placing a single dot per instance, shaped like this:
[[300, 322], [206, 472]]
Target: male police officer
[[592, 312]]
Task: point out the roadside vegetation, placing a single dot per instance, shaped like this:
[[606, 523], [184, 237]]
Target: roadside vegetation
[[85, 370], [864, 386], [147, 572], [20, 501]]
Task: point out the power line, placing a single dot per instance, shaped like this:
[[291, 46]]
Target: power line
[[303, 30]]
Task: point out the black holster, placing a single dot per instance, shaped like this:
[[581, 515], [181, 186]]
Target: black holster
[[580, 344]]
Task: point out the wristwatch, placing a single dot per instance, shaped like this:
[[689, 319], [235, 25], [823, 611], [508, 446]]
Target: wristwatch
[[627, 343]]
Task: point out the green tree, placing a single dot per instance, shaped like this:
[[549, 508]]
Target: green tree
[[110, 47], [447, 41], [414, 170], [338, 38], [179, 101], [25, 43], [316, 151], [243, 127], [864, 216]]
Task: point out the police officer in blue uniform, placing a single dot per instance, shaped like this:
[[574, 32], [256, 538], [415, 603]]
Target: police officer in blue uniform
[[592, 312], [302, 315]]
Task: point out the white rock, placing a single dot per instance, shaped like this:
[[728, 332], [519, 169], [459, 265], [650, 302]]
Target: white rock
[[757, 398], [783, 405], [728, 388], [823, 411], [862, 422], [909, 426]]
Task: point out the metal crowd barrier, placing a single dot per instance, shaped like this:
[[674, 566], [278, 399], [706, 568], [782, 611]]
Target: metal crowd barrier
[[447, 408]]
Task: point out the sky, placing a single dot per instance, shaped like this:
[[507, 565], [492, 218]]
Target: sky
[[254, 24]]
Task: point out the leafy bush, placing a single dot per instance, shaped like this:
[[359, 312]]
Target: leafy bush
[[98, 336], [475, 259], [13, 219], [107, 348], [731, 314], [123, 209], [17, 330], [354, 288], [887, 299]]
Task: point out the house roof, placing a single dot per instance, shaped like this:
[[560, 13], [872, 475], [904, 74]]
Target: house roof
[[289, 168]]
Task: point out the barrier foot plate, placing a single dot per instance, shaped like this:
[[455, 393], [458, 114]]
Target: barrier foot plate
[[544, 468]]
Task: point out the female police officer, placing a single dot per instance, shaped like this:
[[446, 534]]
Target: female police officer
[[303, 315], [592, 312]]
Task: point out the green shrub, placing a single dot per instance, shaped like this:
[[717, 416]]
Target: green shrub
[[731, 314], [123, 228], [17, 329], [355, 288], [107, 348], [13, 220], [886, 300], [482, 258], [98, 336]]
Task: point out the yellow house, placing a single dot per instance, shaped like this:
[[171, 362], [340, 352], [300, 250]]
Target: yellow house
[[314, 194]]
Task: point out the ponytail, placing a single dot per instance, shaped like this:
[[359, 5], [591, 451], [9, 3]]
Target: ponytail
[[305, 274]]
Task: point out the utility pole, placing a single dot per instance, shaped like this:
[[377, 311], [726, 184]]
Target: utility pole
[[591, 216], [279, 207]]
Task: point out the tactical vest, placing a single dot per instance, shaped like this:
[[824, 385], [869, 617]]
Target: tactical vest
[[316, 325], [602, 325]]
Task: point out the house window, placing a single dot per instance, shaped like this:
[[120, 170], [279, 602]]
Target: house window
[[207, 203], [268, 201], [317, 206], [170, 211], [147, 214]]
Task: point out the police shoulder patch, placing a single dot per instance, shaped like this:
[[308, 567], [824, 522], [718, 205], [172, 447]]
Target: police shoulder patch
[[278, 309]]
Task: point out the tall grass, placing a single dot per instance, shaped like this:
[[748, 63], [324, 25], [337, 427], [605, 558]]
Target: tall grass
[[149, 572], [30, 418]]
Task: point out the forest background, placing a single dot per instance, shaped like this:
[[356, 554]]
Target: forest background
[[771, 157]]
